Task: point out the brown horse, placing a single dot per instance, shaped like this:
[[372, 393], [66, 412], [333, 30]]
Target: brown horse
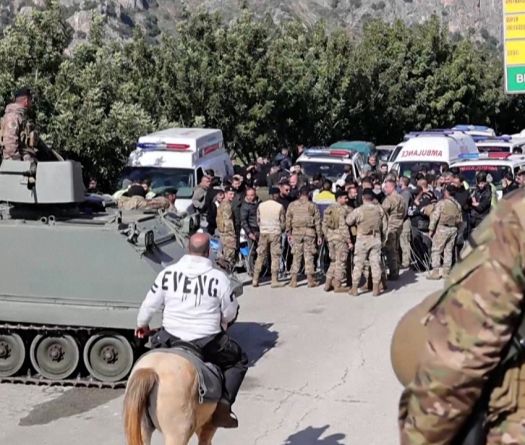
[[173, 380]]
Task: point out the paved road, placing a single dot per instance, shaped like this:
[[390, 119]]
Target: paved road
[[320, 376]]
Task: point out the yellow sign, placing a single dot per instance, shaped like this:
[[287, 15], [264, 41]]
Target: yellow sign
[[515, 26], [513, 6], [515, 52]]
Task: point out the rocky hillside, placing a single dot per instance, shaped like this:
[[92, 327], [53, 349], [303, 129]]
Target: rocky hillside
[[481, 18]]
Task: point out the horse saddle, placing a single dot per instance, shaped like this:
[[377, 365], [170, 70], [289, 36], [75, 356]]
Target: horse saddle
[[209, 375]]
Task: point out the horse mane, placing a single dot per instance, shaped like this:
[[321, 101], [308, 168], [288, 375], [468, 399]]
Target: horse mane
[[138, 389]]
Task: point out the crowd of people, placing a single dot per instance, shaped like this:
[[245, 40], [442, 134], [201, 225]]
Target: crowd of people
[[360, 231]]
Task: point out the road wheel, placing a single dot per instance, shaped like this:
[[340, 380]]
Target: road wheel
[[12, 354], [54, 357], [108, 357]]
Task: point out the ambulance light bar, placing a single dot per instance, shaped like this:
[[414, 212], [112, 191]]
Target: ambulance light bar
[[477, 156], [153, 146]]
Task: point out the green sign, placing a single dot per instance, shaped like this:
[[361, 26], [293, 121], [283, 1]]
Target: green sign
[[515, 79], [514, 45]]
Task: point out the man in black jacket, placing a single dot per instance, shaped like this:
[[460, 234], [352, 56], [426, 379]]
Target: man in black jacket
[[481, 200], [508, 183], [249, 214]]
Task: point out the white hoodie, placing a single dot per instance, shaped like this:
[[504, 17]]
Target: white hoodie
[[198, 300]]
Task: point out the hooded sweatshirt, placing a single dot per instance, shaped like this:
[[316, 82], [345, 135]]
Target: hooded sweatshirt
[[198, 300]]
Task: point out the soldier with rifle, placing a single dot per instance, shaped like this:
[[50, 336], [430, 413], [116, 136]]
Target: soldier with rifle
[[467, 383]]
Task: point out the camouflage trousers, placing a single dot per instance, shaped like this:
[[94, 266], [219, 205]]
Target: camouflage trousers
[[268, 242], [367, 247], [338, 251], [404, 241], [229, 247], [392, 251], [443, 244], [303, 246]]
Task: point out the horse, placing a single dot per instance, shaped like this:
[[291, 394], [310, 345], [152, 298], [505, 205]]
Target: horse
[[170, 383]]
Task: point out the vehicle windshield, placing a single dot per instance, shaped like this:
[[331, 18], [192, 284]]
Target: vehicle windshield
[[183, 179], [383, 155], [410, 169], [329, 171], [494, 149], [468, 172]]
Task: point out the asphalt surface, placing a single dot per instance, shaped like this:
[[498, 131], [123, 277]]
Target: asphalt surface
[[320, 375]]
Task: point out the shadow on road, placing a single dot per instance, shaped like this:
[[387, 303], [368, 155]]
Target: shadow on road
[[406, 278], [69, 403], [312, 436], [256, 339]]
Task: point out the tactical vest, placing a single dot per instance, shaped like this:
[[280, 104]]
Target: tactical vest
[[370, 221], [303, 215], [269, 221], [451, 214]]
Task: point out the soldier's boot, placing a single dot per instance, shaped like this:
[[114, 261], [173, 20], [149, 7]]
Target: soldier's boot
[[255, 279], [354, 291], [275, 281], [433, 275], [375, 290], [311, 281], [293, 280], [328, 285], [445, 273], [339, 288]]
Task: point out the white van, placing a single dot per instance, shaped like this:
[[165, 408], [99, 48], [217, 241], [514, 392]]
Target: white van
[[431, 150], [501, 144], [330, 162], [495, 164], [178, 157]]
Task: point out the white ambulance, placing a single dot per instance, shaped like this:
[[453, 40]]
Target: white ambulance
[[495, 164], [431, 150], [502, 144], [178, 157]]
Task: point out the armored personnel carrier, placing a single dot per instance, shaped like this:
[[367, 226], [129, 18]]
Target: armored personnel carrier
[[72, 279]]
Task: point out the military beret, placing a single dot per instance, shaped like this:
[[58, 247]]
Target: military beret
[[228, 188], [340, 193], [23, 92]]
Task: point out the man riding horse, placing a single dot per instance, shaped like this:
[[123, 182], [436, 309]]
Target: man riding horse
[[198, 305]]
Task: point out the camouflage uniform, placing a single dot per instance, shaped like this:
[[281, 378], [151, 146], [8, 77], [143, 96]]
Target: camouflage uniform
[[18, 138], [445, 220], [395, 208], [467, 333], [271, 220], [226, 228], [337, 235], [371, 223], [404, 242], [303, 221]]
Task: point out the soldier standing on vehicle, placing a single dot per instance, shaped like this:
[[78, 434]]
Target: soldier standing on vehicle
[[371, 223], [18, 137], [444, 223], [198, 200], [395, 210], [465, 367], [271, 218], [337, 235], [226, 228], [303, 225]]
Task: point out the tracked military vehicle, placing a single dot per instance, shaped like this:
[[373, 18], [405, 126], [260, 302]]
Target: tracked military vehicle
[[72, 278]]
